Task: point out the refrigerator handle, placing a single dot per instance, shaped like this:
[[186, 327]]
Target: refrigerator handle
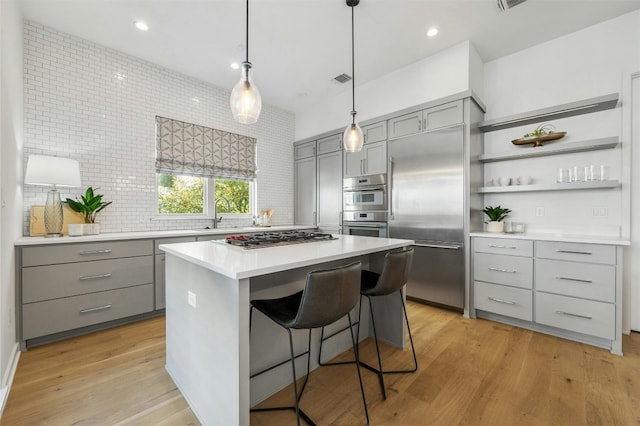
[[438, 246], [390, 188]]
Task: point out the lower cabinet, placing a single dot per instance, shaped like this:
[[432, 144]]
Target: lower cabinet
[[159, 269], [568, 289]]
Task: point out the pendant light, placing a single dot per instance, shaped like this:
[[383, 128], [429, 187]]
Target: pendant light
[[353, 137], [246, 103]]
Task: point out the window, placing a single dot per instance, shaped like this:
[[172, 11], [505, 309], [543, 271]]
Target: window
[[193, 195]]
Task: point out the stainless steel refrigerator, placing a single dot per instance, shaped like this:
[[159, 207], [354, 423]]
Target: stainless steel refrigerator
[[426, 204]]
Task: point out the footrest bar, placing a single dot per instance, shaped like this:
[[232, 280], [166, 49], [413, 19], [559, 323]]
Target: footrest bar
[[277, 365]]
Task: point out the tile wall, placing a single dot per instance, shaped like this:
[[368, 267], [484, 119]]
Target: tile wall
[[98, 105]]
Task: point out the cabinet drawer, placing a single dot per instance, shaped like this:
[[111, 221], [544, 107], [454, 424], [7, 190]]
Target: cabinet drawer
[[443, 115], [81, 252], [55, 281], [330, 144], [173, 240], [582, 316], [583, 280], [508, 301], [54, 316], [503, 246], [577, 252], [500, 269]]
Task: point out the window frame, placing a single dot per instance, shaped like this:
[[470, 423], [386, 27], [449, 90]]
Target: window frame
[[208, 200]]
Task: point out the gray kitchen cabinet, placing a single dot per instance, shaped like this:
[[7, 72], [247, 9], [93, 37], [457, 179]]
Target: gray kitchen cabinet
[[370, 161], [305, 183], [74, 288], [331, 143], [567, 289], [304, 150], [375, 132], [159, 269], [330, 192], [437, 117]]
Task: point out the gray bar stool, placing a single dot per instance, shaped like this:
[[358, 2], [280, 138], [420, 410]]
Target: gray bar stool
[[394, 276], [328, 295]]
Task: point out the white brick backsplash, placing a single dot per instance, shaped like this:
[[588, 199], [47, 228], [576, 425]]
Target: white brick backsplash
[[76, 107]]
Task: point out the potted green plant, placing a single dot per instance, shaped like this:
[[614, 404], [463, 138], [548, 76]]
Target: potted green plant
[[89, 206], [496, 216]]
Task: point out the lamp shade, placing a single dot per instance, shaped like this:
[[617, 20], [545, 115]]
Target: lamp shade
[[49, 171]]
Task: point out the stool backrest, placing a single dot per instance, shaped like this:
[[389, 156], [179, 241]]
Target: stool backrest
[[328, 295], [395, 272]]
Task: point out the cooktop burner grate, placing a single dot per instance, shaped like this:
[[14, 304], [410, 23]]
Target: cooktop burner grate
[[271, 239]]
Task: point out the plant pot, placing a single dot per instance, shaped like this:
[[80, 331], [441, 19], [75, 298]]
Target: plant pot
[[495, 227], [91, 229]]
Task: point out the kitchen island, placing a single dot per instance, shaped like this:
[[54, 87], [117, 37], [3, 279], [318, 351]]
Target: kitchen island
[[209, 286]]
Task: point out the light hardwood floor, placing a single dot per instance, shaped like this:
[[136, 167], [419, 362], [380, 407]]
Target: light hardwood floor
[[471, 372]]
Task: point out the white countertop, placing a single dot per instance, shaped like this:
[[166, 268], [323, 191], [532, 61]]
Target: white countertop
[[566, 238], [237, 262], [114, 236]]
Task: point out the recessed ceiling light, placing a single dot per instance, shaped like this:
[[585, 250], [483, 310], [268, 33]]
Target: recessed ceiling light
[[432, 32], [235, 65], [141, 26]]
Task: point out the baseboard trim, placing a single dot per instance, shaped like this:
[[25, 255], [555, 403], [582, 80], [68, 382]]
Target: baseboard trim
[[7, 380]]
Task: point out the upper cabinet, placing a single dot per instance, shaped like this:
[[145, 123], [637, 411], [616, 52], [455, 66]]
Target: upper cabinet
[[429, 119], [304, 150], [373, 157], [330, 144]]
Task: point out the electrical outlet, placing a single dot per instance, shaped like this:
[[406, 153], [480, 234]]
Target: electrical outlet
[[539, 211], [192, 299]]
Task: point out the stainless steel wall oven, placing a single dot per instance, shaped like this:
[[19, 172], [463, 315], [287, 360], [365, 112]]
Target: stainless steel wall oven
[[365, 206]]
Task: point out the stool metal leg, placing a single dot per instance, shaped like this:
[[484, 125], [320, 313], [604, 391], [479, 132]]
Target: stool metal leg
[[355, 351], [378, 371]]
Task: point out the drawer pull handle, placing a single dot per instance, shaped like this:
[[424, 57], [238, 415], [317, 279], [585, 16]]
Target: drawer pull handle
[[573, 315], [503, 247], [574, 279], [95, 277], [507, 271], [84, 253], [506, 302], [574, 252], [97, 308]]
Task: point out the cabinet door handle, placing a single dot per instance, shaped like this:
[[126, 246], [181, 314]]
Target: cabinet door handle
[[419, 124], [315, 218], [424, 123], [364, 166], [390, 187], [95, 277], [569, 314], [502, 247], [507, 271], [97, 308], [574, 252], [574, 279], [506, 302], [89, 252]]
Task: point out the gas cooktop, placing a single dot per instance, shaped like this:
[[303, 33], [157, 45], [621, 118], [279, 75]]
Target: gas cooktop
[[271, 239]]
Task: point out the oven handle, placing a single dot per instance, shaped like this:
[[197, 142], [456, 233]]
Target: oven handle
[[364, 188], [364, 225]]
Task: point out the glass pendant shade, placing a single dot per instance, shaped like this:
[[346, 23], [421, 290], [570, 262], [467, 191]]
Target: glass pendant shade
[[246, 102], [353, 139]]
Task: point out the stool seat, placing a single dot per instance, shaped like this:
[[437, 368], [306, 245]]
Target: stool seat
[[282, 311]]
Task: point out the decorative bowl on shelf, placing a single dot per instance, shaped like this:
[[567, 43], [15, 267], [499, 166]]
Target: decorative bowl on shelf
[[537, 140]]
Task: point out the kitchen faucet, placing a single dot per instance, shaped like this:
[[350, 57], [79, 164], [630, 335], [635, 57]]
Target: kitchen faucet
[[215, 211]]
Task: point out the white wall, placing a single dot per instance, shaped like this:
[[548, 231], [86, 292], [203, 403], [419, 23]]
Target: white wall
[[592, 62], [11, 117], [76, 107], [440, 75]]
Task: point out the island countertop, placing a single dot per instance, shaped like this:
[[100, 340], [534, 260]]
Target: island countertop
[[237, 262]]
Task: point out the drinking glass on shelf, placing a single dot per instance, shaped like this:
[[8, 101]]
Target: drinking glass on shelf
[[563, 175], [602, 172]]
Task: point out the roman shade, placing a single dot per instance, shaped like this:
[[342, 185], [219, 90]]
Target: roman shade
[[188, 149]]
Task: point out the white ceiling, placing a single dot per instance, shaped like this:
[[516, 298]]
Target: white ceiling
[[298, 46]]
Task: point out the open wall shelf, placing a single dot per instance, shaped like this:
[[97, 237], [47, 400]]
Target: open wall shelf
[[586, 106], [605, 184], [552, 149]]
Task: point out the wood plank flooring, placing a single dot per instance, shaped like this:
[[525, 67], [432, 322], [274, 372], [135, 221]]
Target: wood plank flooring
[[471, 372]]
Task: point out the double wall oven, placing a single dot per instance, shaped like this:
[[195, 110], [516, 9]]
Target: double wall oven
[[365, 206]]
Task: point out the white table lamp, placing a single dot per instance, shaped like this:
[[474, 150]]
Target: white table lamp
[[52, 171]]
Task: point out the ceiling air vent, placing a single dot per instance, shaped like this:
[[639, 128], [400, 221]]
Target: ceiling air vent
[[504, 5], [342, 78]]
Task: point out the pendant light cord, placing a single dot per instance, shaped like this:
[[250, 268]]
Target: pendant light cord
[[247, 44], [353, 68]]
